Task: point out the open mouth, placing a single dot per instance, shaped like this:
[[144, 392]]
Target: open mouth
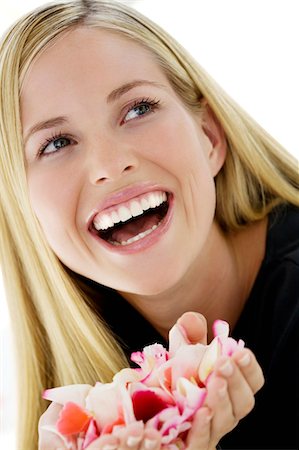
[[133, 222]]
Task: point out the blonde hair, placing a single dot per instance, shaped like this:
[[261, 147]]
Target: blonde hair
[[59, 338]]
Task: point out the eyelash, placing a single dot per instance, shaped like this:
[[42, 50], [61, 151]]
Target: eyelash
[[48, 141], [153, 104]]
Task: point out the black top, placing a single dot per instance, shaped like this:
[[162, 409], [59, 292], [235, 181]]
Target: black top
[[269, 325]]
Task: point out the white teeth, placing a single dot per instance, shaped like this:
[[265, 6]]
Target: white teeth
[[137, 237], [136, 207], [115, 217], [145, 204], [105, 222], [124, 214]]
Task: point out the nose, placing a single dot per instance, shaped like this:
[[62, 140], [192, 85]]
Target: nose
[[109, 160]]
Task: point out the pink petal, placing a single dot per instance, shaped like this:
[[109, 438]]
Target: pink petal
[[230, 345], [104, 400], [220, 328], [152, 357], [92, 433], [157, 353], [189, 394], [213, 351], [75, 393], [177, 338], [127, 375], [185, 363], [138, 358], [171, 413]]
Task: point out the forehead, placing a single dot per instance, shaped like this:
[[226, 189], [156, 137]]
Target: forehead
[[85, 54]]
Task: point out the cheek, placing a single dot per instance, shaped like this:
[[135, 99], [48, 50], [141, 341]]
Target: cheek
[[177, 146], [53, 204]]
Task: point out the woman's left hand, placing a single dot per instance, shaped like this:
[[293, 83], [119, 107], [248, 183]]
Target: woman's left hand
[[231, 387]]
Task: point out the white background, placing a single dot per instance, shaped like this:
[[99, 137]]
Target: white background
[[249, 46]]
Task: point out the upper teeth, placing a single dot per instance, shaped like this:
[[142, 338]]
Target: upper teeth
[[134, 208]]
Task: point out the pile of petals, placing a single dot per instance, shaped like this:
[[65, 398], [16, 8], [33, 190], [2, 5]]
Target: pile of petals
[[164, 392]]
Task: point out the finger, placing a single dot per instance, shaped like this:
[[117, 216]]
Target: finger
[[151, 440], [131, 436], [250, 368], [199, 435], [195, 326], [218, 400], [240, 393], [105, 442]]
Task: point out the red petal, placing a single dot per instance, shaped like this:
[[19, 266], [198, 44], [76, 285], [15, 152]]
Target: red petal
[[147, 404], [72, 419]]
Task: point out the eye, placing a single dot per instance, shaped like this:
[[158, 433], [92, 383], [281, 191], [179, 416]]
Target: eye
[[54, 144], [141, 108]]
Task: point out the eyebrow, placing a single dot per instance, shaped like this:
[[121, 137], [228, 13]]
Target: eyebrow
[[113, 96], [118, 92], [44, 125]]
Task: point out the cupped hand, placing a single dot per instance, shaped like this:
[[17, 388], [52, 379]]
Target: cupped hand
[[134, 438], [230, 388]]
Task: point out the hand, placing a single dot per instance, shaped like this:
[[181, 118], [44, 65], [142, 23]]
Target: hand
[[231, 387], [133, 437]]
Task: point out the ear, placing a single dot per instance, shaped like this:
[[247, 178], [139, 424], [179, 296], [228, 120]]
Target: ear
[[216, 152]]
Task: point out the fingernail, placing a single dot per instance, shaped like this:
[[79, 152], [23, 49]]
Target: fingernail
[[195, 317], [245, 360], [110, 447], [149, 444], [132, 441], [226, 368]]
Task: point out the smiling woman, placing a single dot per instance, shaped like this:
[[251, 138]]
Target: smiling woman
[[133, 191]]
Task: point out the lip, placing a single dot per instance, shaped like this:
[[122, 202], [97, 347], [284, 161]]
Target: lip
[[147, 241], [123, 196]]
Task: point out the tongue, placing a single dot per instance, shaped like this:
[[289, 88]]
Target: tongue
[[131, 229]]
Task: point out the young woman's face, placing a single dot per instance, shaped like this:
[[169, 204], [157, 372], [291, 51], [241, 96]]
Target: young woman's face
[[120, 173]]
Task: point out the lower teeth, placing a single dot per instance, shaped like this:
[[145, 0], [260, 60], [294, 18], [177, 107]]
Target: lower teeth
[[137, 237]]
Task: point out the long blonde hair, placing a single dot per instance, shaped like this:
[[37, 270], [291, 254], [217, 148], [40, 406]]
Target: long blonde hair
[[59, 338]]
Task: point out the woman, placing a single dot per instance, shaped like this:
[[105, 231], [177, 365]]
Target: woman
[[134, 190]]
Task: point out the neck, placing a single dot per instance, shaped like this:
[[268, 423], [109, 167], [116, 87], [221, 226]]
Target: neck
[[216, 285]]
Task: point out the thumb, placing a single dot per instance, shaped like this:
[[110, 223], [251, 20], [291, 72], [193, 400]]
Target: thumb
[[195, 327]]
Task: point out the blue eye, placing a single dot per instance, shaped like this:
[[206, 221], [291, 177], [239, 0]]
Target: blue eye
[[141, 108], [54, 145]]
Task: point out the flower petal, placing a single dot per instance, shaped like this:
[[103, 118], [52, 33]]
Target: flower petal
[[72, 419], [213, 351], [177, 338], [71, 393], [104, 400], [189, 394], [127, 375], [220, 328], [147, 404], [92, 433]]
